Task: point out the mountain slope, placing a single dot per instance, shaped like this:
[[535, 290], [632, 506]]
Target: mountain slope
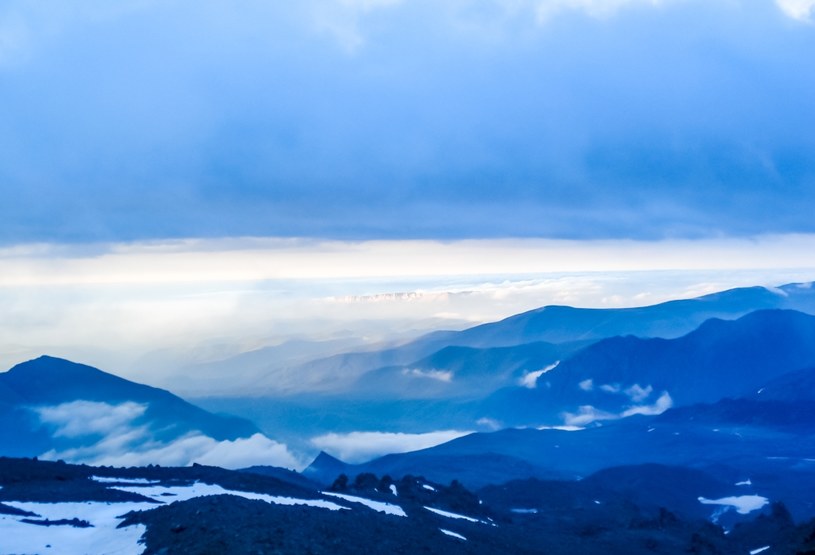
[[670, 319], [629, 375], [766, 443], [50, 403], [550, 324], [458, 372]]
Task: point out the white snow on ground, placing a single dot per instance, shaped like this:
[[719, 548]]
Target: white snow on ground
[[380, 506], [428, 487], [455, 515], [102, 539], [743, 504], [106, 480], [746, 482], [760, 550], [182, 493], [524, 511], [563, 428], [393, 490], [453, 534]]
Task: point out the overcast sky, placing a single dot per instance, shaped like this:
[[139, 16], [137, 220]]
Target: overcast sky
[[361, 119], [173, 170]]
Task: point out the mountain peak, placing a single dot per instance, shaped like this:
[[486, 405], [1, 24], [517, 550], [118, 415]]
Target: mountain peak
[[49, 371], [325, 468]]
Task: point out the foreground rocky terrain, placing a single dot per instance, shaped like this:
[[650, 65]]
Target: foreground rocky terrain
[[54, 507]]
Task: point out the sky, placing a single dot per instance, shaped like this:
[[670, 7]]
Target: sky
[[177, 172]]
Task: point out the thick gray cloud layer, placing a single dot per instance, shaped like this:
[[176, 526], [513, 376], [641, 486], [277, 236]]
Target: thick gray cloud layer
[[413, 118]]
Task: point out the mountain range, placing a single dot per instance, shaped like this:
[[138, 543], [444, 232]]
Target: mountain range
[[281, 372], [527, 370], [611, 431]]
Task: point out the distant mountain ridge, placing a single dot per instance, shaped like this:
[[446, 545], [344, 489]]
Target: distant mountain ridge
[[550, 324], [457, 380]]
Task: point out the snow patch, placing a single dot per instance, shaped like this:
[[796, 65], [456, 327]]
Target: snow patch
[[453, 534], [134, 481], [457, 516], [746, 482], [379, 506], [743, 504], [562, 428], [759, 550], [524, 511], [103, 538], [393, 490], [428, 487], [198, 489]]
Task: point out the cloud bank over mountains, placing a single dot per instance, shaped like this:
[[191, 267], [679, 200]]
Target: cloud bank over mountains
[[115, 439], [356, 447]]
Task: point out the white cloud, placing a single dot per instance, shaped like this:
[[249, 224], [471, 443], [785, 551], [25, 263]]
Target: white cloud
[[610, 388], [438, 375], [125, 444], [489, 423], [638, 393], [801, 10], [344, 19], [546, 9], [357, 447], [136, 449], [530, 379], [586, 414], [14, 39], [365, 6], [83, 418], [257, 259], [245, 293], [661, 405]]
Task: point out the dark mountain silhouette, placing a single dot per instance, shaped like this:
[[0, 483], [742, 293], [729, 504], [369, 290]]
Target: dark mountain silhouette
[[51, 382]]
